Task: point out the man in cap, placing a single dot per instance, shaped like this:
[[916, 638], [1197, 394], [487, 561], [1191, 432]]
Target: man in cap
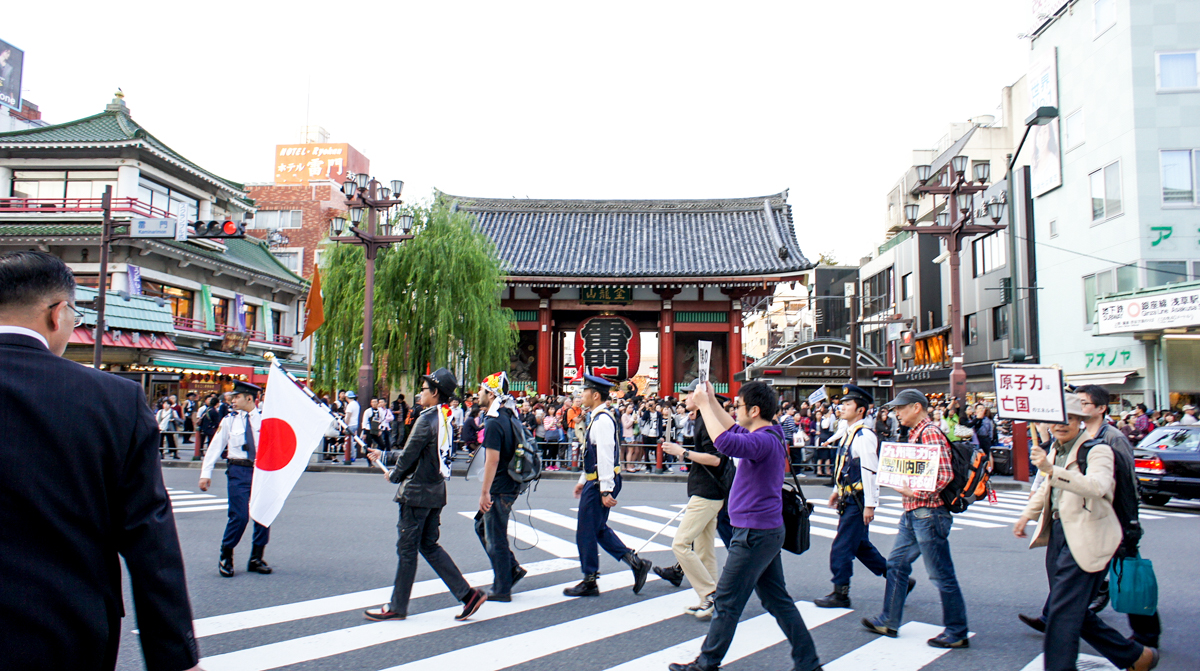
[[1081, 532], [421, 470], [237, 437], [924, 531], [499, 490], [855, 496], [597, 491], [352, 419]]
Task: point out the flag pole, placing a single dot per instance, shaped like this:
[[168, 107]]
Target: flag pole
[[270, 356]]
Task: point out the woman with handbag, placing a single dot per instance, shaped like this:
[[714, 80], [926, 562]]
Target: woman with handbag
[[166, 418]]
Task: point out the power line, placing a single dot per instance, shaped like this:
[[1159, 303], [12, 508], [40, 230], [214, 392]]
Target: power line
[[1184, 274]]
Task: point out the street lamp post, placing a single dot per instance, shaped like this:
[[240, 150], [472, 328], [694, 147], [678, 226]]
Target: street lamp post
[[953, 225], [366, 196]]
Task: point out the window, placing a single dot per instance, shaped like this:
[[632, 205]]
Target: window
[[1111, 281], [1054, 228], [165, 198], [61, 183], [289, 259], [877, 292], [1177, 71], [1073, 130], [1180, 168], [988, 252], [1000, 322], [906, 287], [220, 311], [251, 314], [1105, 15], [180, 299], [278, 219], [971, 330], [1106, 192], [277, 322], [1159, 273]]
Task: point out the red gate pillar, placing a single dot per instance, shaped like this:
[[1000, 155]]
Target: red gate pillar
[[735, 346], [666, 348], [544, 346]]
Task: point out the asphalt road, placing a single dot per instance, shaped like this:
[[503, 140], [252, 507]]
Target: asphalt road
[[336, 538]]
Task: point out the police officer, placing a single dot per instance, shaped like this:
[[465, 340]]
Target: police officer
[[855, 496], [237, 436], [598, 488]]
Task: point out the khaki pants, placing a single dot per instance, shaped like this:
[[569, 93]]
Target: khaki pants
[[693, 546]]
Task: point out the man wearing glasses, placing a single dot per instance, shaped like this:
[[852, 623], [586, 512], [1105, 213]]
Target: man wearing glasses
[[81, 488]]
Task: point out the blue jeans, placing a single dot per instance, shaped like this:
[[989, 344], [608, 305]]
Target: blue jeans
[[492, 529], [924, 532], [754, 565]]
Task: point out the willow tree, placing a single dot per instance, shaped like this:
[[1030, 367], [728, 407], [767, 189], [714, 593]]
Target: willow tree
[[437, 303]]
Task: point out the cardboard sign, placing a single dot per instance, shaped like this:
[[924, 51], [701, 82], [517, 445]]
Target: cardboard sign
[[704, 358], [1029, 393], [911, 464]]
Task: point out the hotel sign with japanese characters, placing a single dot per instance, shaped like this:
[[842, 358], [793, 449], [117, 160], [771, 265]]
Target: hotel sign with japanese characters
[[1149, 313], [1030, 393]]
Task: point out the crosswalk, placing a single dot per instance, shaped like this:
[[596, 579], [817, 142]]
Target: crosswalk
[[184, 501], [541, 622]]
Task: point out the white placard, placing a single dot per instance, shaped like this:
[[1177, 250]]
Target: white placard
[[1149, 313], [704, 358], [1029, 393], [152, 228], [909, 464]]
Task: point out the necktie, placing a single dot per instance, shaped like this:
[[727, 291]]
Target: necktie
[[249, 444]]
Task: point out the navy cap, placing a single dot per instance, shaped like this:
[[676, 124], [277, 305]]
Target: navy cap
[[908, 397], [240, 387], [853, 392], [598, 383]]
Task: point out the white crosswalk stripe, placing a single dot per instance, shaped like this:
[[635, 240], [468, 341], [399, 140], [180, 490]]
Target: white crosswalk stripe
[[565, 522], [185, 501], [908, 652], [1082, 663]]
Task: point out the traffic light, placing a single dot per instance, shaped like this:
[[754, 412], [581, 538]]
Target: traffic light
[[907, 348], [227, 228]]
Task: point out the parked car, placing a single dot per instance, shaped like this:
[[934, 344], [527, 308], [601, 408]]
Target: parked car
[[1167, 463]]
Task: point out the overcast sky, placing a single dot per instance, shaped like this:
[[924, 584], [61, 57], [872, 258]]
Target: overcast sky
[[549, 100]]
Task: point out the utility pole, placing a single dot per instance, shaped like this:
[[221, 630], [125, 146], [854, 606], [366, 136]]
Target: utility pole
[[102, 288]]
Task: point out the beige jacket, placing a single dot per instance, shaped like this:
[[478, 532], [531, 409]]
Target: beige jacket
[[1085, 507]]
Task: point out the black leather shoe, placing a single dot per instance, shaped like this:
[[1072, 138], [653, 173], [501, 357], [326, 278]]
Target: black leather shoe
[[382, 613], [838, 598], [872, 626], [672, 574], [1101, 599], [912, 582], [256, 563], [942, 640], [1035, 623], [690, 666], [502, 598], [587, 587], [475, 599], [641, 569], [518, 573], [225, 563]]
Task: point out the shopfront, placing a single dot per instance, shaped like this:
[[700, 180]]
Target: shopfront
[[800, 370]]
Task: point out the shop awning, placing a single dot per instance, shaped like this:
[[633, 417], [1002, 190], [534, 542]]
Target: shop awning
[[82, 335], [183, 363], [1106, 377]]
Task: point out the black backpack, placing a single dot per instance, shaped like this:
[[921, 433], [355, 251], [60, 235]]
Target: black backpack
[[1125, 496], [526, 464]]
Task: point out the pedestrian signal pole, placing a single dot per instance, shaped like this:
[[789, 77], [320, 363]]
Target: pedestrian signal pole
[[102, 287]]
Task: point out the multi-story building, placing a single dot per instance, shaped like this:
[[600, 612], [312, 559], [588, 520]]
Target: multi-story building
[[1119, 209], [29, 116], [171, 303]]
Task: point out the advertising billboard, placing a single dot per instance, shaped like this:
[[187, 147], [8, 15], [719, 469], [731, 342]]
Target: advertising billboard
[[302, 163], [12, 62], [1046, 165]]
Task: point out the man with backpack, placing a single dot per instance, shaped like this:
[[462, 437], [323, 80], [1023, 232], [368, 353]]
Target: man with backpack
[[855, 497], [1081, 531], [500, 491], [924, 530]]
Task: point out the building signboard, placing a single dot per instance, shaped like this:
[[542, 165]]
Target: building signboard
[[606, 294], [1149, 313], [12, 65], [152, 228], [1030, 393], [302, 163], [1046, 164]]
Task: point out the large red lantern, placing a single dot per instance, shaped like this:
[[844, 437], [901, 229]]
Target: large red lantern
[[608, 345]]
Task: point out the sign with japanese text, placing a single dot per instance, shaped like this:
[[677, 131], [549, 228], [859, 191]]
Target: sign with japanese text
[[152, 228], [302, 163], [608, 346], [593, 295], [705, 358], [1046, 164], [1149, 313], [1030, 393], [909, 464]]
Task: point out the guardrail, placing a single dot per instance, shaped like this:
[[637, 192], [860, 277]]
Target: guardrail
[[80, 205], [198, 326]]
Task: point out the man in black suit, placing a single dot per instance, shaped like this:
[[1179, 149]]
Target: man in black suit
[[80, 487]]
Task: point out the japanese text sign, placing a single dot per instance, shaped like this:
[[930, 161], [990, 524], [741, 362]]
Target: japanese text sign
[[1029, 393], [704, 358], [1149, 313], [909, 464], [301, 163]]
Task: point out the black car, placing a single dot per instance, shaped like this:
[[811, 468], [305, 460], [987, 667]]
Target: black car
[[1168, 464]]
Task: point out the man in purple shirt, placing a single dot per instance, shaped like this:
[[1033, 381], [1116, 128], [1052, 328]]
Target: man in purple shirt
[[756, 511]]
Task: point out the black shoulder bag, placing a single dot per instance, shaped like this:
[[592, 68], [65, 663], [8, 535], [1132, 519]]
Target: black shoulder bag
[[796, 512]]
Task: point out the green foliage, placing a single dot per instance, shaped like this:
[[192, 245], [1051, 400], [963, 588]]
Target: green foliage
[[827, 259], [437, 301]]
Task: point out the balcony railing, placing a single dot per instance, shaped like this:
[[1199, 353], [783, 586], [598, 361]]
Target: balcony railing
[[80, 206], [198, 326]]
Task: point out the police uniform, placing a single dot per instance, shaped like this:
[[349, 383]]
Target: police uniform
[[856, 466], [237, 436], [601, 477]]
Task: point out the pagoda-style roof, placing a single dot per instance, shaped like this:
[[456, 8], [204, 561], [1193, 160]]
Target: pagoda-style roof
[[660, 239], [112, 128]]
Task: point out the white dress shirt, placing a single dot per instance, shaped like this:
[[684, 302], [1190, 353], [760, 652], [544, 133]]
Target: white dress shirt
[[21, 330], [604, 436], [231, 436]]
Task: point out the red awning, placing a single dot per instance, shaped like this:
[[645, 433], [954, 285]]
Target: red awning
[[82, 335]]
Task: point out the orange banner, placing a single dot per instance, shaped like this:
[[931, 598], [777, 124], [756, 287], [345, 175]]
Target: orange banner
[[302, 163]]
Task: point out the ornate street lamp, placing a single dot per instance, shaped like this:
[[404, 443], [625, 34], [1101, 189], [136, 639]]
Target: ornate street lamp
[[911, 211]]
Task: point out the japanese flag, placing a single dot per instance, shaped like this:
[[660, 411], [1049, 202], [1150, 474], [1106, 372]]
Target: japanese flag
[[292, 428]]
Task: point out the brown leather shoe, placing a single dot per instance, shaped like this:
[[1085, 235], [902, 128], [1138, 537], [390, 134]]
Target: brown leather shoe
[[1147, 661]]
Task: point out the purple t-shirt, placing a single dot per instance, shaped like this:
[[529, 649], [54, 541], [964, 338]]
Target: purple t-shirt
[[755, 501]]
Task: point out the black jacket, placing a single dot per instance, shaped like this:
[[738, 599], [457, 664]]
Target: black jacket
[[81, 486], [417, 468], [705, 481]]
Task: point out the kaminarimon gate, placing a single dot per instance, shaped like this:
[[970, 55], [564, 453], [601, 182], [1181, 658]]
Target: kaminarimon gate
[[609, 270]]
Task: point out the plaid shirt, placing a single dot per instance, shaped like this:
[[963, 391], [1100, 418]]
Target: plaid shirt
[[927, 433]]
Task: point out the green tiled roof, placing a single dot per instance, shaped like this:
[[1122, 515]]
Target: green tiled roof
[[139, 313], [106, 127]]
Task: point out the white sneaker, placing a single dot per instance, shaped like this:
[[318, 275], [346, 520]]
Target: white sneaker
[[705, 611]]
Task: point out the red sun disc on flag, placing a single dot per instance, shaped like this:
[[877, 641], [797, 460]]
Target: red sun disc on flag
[[277, 445]]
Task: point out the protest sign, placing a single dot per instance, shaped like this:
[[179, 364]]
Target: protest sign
[[909, 464], [1029, 393], [704, 358]]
